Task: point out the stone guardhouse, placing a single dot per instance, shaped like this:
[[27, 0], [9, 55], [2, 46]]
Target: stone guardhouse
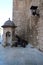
[[8, 32]]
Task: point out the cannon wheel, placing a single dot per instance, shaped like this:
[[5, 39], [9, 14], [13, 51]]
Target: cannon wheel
[[16, 44], [24, 45]]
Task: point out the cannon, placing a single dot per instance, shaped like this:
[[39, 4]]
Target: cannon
[[20, 42]]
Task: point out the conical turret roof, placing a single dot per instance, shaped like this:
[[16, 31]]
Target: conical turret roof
[[9, 23]]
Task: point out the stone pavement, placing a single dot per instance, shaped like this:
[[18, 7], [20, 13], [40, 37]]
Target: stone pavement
[[20, 56]]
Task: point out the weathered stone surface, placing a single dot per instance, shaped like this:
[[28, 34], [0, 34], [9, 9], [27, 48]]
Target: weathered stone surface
[[20, 16], [29, 27]]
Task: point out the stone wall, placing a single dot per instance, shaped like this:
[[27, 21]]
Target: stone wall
[[29, 27], [40, 26], [33, 30], [21, 17]]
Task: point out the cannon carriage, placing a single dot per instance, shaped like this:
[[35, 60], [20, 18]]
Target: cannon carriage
[[20, 42]]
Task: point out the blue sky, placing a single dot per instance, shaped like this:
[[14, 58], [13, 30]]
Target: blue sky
[[5, 10]]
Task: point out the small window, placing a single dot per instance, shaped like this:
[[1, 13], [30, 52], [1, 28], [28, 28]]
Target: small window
[[8, 34], [34, 7], [34, 10]]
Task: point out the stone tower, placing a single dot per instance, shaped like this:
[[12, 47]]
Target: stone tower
[[21, 17], [28, 17]]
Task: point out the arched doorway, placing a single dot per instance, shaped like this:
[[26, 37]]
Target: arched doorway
[[8, 37]]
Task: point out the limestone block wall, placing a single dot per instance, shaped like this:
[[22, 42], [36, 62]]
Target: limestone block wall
[[21, 17], [29, 27], [33, 37], [40, 26], [40, 33]]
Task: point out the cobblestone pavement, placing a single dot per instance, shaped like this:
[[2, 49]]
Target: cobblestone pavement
[[20, 56]]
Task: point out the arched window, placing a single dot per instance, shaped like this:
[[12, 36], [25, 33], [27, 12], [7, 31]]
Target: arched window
[[8, 34]]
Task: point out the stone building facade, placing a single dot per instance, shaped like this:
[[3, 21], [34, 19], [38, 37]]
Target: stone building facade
[[29, 25]]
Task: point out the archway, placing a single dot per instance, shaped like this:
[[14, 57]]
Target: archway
[[8, 37]]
